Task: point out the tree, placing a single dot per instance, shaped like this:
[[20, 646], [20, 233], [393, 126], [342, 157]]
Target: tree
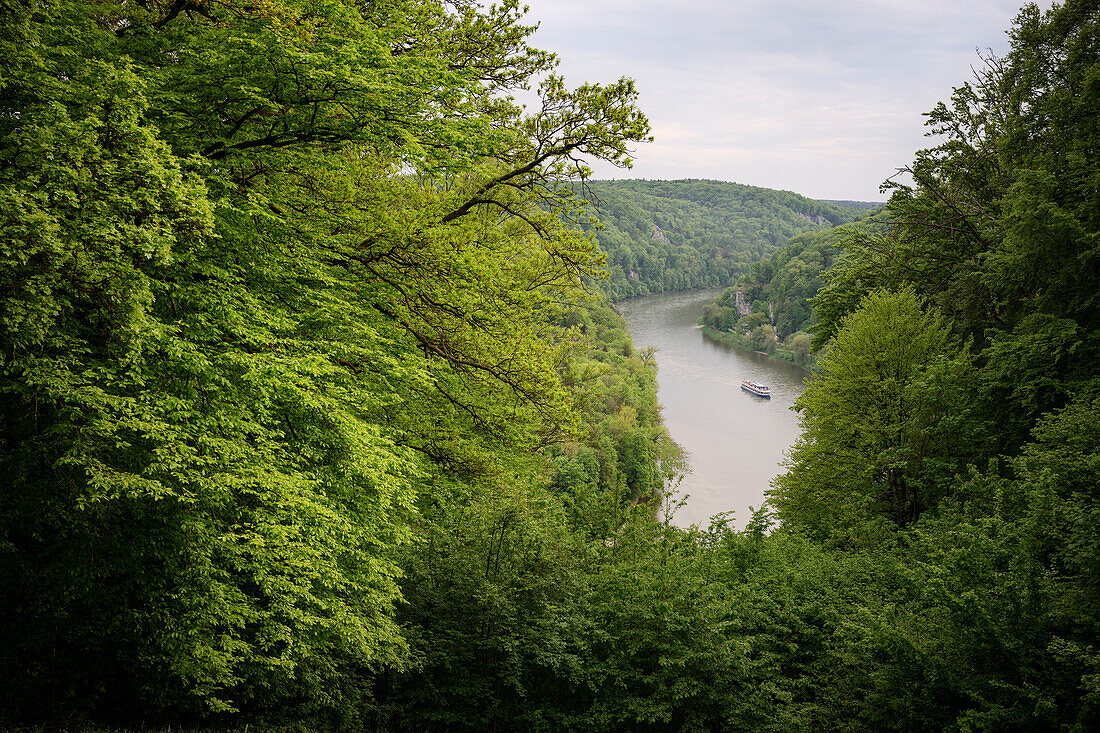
[[265, 267], [871, 419], [751, 322], [999, 227], [800, 346]]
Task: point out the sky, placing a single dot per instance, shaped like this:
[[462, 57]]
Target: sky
[[821, 97]]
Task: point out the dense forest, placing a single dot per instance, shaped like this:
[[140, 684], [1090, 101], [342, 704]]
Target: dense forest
[[310, 421], [677, 235], [769, 308]]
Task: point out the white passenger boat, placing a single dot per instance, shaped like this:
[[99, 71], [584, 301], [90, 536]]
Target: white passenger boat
[[761, 390]]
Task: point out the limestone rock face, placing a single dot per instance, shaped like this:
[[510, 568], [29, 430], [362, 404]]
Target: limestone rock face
[[743, 308], [659, 235], [816, 219]]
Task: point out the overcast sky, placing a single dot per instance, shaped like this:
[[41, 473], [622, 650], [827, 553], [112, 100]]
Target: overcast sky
[[821, 97]]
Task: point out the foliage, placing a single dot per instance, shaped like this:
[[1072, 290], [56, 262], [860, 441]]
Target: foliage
[[998, 229], [782, 287], [873, 420], [998, 236], [676, 235], [267, 268], [307, 421]]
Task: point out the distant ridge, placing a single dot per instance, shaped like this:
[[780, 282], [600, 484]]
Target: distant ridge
[[856, 204], [677, 235]]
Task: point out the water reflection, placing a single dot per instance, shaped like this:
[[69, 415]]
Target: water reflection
[[736, 440]]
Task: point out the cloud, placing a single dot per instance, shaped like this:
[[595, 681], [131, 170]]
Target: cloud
[[824, 98]]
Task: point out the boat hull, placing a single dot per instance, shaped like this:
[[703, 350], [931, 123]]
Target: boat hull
[[756, 389]]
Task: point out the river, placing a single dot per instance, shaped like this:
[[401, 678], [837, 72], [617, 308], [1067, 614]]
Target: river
[[736, 440]]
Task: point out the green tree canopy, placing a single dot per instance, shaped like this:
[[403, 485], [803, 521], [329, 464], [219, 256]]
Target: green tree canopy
[[265, 267], [871, 419], [998, 228]]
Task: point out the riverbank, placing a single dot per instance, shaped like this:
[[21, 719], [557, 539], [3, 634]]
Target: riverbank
[[736, 443], [780, 352]]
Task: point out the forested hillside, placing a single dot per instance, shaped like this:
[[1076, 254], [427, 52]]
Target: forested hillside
[[770, 305], [308, 420], [676, 235]]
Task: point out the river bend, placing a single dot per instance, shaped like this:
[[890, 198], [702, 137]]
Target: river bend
[[736, 440]]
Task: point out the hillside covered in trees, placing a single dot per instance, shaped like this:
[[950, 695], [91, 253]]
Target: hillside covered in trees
[[309, 422], [677, 235], [771, 304]]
